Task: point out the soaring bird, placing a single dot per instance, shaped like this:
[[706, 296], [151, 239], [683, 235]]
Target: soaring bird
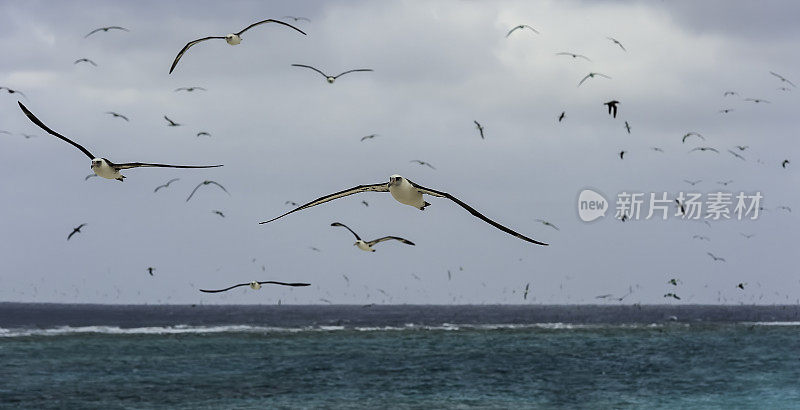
[[736, 155], [547, 223], [479, 127], [747, 236], [422, 163], [150, 270], [672, 295], [520, 27], [715, 258], [622, 154], [627, 127], [704, 149], [612, 107], [592, 75], [331, 78], [165, 185], [573, 55], [367, 246], [617, 43], [12, 91], [785, 163], [102, 166], [725, 111], [725, 183], [76, 230], [741, 285], [757, 100], [171, 123], [218, 213], [727, 93], [105, 29], [206, 182], [292, 203], [702, 238], [368, 137], [232, 38], [255, 285], [190, 89], [782, 78], [742, 147], [117, 115], [203, 133], [692, 183], [85, 60], [525, 293], [657, 149], [561, 117], [407, 193], [298, 18], [692, 133], [673, 282], [365, 203]]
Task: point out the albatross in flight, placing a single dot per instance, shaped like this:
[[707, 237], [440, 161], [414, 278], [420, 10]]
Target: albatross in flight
[[105, 29], [592, 75], [101, 166], [407, 193], [331, 78], [255, 285], [367, 246], [232, 38], [521, 27]]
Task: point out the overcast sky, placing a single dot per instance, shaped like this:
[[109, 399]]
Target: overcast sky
[[285, 134]]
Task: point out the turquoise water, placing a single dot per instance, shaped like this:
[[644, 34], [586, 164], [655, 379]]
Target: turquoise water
[[566, 365]]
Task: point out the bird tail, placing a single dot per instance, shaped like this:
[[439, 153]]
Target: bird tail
[[424, 204]]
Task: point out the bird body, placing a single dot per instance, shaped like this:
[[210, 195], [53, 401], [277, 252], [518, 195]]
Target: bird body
[[404, 192], [612, 109]]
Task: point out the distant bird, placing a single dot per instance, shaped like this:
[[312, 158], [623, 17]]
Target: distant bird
[[86, 178], [606, 296], [368, 137], [150, 270], [592, 75], [704, 149], [422, 163], [672, 295], [206, 182], [5, 132], [292, 203], [232, 39], [742, 147], [727, 93], [314, 249], [546, 223], [784, 89], [365, 203], [407, 193], [171, 123], [785, 163], [785, 208], [624, 218], [701, 237], [627, 127], [716, 258], [101, 166], [202, 133], [85, 60], [617, 43], [367, 246], [331, 78], [725, 183], [726, 110], [622, 154], [29, 136], [573, 55], [673, 282], [298, 18], [782, 78], [12, 91], [255, 285], [116, 115], [165, 185], [76, 230], [741, 285], [757, 100], [525, 294], [480, 128], [190, 89], [105, 29], [693, 183], [689, 134], [561, 117], [680, 206], [218, 213], [747, 236], [612, 107], [521, 27], [657, 149]]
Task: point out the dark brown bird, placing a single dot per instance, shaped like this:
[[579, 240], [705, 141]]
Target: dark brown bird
[[612, 107]]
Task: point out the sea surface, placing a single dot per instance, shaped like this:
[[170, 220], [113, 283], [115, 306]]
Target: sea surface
[[195, 357]]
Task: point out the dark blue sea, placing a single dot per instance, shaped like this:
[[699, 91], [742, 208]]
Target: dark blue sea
[[195, 357]]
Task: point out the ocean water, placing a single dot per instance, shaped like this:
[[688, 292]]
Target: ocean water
[[96, 356]]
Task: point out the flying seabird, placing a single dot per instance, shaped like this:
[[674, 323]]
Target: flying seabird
[[785, 208], [367, 246], [314, 249], [85, 60], [689, 134], [218, 213], [757, 100], [725, 183], [622, 154], [612, 107], [606, 296], [546, 223], [525, 294], [561, 117], [782, 79], [727, 93], [116, 115], [232, 39], [102, 166], [292, 203], [150, 270], [12, 91], [785, 163], [165, 185], [680, 206], [716, 258], [365, 203], [105, 29], [298, 18], [520, 27], [422, 163], [479, 127], [672, 295], [86, 178], [407, 193], [206, 182], [171, 123], [573, 55], [704, 149], [367, 137], [673, 282], [617, 43], [190, 89], [75, 230], [747, 236], [692, 183], [741, 285], [657, 149], [784, 89], [592, 75], [736, 155], [331, 78], [255, 285], [702, 238], [726, 110], [627, 127], [201, 133], [742, 147]]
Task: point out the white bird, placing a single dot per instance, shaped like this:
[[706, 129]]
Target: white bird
[[331, 78], [255, 285], [617, 43], [407, 193], [166, 185], [85, 60], [521, 27], [689, 134], [206, 182], [232, 39], [782, 79], [592, 75], [190, 89], [105, 29], [102, 166], [573, 55], [367, 246]]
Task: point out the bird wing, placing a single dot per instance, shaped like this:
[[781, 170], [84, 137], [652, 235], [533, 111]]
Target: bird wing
[[782, 78], [351, 71], [512, 30], [186, 47], [283, 283], [127, 165], [584, 57], [193, 191], [533, 29], [71, 233], [584, 79], [53, 133], [217, 184], [472, 210], [388, 238], [617, 43], [348, 228], [223, 290], [93, 31], [736, 155], [308, 66], [382, 187], [269, 21]]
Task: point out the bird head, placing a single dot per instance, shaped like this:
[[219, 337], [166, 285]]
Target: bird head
[[255, 285], [330, 79], [395, 180], [233, 39], [97, 162]]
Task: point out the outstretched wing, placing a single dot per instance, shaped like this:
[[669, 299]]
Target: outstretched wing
[[186, 47], [223, 290], [348, 228], [472, 210], [388, 238], [53, 133], [222, 187], [283, 283], [308, 66], [144, 164], [383, 187], [269, 21], [352, 71], [584, 79]]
